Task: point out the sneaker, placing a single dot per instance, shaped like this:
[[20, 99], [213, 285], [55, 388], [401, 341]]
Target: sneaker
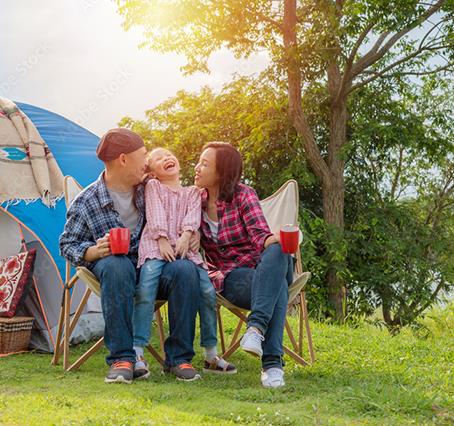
[[141, 371], [252, 342], [219, 366], [273, 378], [185, 372], [120, 372]]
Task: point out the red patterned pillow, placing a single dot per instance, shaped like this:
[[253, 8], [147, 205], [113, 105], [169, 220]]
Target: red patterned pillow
[[15, 276]]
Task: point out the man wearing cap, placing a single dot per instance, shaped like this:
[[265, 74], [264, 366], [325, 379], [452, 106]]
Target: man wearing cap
[[116, 200]]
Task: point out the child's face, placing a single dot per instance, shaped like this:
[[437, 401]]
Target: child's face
[[163, 164]]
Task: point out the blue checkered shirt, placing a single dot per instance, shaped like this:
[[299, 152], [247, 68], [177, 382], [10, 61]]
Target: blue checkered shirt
[[90, 216]]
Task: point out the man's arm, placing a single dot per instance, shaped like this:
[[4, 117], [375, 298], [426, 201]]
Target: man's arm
[[76, 238]]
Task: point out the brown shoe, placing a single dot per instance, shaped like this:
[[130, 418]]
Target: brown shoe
[[214, 367]]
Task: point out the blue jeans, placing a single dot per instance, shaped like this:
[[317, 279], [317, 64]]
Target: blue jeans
[[145, 298], [264, 290], [178, 285]]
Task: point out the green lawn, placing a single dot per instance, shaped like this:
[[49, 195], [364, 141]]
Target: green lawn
[[362, 376]]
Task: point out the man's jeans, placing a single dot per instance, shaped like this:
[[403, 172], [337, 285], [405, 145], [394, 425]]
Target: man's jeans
[[264, 290], [145, 298], [178, 285]]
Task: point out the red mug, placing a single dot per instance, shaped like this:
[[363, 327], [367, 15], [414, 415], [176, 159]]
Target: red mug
[[290, 238], [119, 240]]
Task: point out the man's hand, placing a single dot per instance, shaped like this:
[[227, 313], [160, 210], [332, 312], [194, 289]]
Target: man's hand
[[182, 244], [194, 242], [166, 249], [98, 251]]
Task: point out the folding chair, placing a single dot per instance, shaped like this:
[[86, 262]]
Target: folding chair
[[66, 324], [280, 208]]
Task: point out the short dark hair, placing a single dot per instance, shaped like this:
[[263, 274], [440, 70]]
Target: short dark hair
[[229, 166]]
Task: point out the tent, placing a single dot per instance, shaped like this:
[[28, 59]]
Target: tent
[[40, 227]]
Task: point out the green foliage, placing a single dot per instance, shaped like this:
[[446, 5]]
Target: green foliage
[[247, 112], [376, 62], [397, 249], [362, 376]]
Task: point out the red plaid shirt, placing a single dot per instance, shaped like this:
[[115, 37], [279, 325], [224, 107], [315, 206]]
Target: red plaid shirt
[[241, 234]]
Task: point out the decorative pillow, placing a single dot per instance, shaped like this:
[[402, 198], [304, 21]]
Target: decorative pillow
[[16, 273]]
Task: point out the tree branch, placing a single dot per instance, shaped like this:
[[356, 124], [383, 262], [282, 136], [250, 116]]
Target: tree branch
[[378, 74], [371, 57], [398, 172]]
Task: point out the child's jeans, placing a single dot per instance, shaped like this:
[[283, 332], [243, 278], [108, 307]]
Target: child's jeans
[[145, 298]]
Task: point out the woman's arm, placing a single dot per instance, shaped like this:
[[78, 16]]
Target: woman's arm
[[254, 219]]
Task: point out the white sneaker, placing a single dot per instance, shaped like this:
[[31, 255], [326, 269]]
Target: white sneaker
[[252, 342], [273, 378]]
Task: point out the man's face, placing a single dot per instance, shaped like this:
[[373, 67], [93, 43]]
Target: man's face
[[134, 166]]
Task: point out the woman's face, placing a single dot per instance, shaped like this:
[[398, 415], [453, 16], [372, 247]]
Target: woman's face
[[206, 175]]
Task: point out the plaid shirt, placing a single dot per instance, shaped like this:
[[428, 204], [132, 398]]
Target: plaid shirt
[[90, 216], [242, 233]]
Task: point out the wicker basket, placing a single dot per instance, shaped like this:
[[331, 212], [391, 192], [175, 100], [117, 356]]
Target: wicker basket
[[15, 334]]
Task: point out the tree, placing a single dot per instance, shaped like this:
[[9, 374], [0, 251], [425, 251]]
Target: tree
[[336, 46]]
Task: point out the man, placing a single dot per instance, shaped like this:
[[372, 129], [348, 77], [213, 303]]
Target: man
[[116, 200]]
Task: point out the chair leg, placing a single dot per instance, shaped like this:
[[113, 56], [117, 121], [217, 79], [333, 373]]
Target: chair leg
[[235, 341], [95, 348], [295, 356], [155, 354], [66, 336], [291, 336], [308, 329], [77, 314], [57, 350], [221, 328], [300, 327], [161, 331]]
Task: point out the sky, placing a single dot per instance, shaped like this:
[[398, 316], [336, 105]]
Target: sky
[[74, 58]]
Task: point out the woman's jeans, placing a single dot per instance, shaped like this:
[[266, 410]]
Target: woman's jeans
[[146, 294], [264, 290], [178, 284]]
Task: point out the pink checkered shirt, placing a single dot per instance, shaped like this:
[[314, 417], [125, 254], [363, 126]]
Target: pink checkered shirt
[[169, 213], [241, 236]]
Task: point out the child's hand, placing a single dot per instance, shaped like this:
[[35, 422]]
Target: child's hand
[[166, 249], [182, 245]]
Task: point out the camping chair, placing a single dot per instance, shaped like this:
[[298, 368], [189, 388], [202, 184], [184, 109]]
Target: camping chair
[[280, 208], [67, 325]]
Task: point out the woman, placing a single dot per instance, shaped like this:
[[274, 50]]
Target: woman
[[247, 265]]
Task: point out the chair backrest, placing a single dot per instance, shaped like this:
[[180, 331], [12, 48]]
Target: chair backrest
[[281, 208], [71, 188]]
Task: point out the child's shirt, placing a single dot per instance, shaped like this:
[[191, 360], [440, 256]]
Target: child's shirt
[[169, 212]]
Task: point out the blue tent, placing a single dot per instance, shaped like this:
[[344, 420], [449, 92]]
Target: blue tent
[[75, 151]]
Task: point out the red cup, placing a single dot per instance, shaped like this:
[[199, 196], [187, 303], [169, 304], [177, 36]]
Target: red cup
[[289, 238], [119, 240]]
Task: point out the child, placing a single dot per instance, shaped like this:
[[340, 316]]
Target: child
[[173, 215]]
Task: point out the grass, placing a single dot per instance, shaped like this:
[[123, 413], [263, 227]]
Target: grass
[[362, 376]]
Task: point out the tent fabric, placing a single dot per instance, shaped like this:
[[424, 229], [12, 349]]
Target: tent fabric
[[75, 151], [26, 156], [74, 148]]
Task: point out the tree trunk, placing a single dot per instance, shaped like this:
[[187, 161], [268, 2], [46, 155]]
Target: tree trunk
[[334, 190], [330, 172], [333, 213]]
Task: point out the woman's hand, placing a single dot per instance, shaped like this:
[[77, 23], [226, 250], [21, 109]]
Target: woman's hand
[[166, 249], [194, 242], [275, 238], [182, 244]]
